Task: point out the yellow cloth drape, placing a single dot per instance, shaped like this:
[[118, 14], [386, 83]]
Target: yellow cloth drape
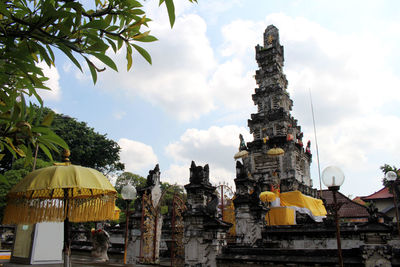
[[290, 202], [281, 216], [297, 199]]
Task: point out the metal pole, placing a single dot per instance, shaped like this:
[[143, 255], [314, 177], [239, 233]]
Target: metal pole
[[142, 229], [67, 248], [173, 231], [395, 206], [222, 201], [316, 145], [339, 246], [126, 229]]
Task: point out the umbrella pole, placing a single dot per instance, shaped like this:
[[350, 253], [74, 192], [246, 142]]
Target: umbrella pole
[[67, 249]]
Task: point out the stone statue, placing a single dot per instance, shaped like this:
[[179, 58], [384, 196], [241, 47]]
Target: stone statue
[[373, 213], [242, 143], [211, 207], [101, 242], [240, 170], [153, 176], [308, 148]]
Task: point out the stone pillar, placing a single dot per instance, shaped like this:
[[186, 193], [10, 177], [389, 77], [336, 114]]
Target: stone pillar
[[204, 233], [146, 222], [249, 212]]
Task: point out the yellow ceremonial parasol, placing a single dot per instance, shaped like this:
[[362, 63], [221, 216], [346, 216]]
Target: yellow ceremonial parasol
[[61, 193], [58, 192], [276, 151]]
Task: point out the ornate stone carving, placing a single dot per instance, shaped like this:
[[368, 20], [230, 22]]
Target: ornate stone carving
[[204, 232], [377, 256]]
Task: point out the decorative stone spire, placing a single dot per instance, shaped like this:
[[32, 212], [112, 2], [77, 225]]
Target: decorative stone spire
[[274, 127]]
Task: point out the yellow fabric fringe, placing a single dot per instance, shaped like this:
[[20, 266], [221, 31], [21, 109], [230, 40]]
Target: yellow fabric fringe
[[34, 210]]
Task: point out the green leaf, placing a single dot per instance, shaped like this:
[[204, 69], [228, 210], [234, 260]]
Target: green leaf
[[171, 11], [3, 179], [28, 158], [95, 24], [92, 69], [112, 28], [48, 119], [112, 44], [143, 52], [41, 130], [106, 60], [99, 45], [56, 140], [51, 53], [128, 56], [3, 9], [44, 55], [120, 42], [46, 151], [148, 38], [67, 51]]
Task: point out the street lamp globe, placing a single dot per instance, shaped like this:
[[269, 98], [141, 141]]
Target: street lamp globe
[[332, 177], [391, 176], [128, 192]]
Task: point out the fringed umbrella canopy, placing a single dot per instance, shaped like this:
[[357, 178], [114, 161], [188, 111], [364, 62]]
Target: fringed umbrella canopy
[[241, 154], [276, 151], [59, 192]]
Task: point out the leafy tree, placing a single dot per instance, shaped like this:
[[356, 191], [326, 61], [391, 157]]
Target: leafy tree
[[31, 29], [30, 32], [169, 191], [88, 148], [23, 131]]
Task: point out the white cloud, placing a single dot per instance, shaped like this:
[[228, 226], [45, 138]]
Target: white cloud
[[118, 115], [215, 146], [53, 83], [350, 81], [240, 38], [137, 157], [232, 84], [177, 80], [180, 174], [351, 85]]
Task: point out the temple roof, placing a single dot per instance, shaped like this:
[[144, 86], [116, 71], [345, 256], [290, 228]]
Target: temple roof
[[381, 194], [349, 209]]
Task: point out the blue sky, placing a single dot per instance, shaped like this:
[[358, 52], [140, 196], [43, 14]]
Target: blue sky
[[195, 99]]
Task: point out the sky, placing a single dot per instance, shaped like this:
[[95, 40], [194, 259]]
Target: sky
[[195, 99]]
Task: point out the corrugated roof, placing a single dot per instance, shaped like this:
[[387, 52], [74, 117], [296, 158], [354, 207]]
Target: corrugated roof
[[381, 194], [349, 209]]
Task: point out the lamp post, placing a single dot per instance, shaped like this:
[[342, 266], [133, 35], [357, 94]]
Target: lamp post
[[128, 193], [391, 176], [333, 178]]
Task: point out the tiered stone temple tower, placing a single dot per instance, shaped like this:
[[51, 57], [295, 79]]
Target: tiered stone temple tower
[[274, 127], [276, 158]]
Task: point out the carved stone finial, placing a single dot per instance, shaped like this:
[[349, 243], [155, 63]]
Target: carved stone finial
[[271, 36], [199, 174]]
